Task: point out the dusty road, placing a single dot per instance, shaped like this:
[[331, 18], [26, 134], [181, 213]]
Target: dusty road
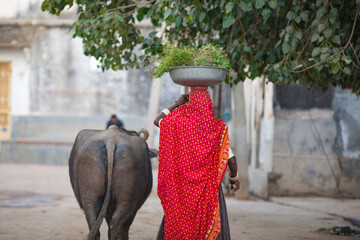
[[37, 202]]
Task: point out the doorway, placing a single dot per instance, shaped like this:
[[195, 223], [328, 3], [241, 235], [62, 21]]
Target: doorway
[[5, 104]]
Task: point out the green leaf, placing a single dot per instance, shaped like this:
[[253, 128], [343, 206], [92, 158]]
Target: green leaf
[[201, 17], [189, 18], [228, 20], [285, 47], [346, 59], [246, 6], [167, 13], [321, 27], [298, 35], [79, 10], [140, 15], [315, 36], [287, 36], [229, 6], [324, 49], [315, 52], [44, 6], [347, 70], [271, 58], [290, 16], [335, 67], [294, 42], [278, 44], [259, 4], [103, 11], [320, 13], [289, 29], [336, 39], [304, 16], [327, 33], [178, 21], [318, 2], [295, 65], [246, 47], [169, 20], [333, 13], [282, 33], [324, 56], [272, 4], [266, 14], [276, 66]]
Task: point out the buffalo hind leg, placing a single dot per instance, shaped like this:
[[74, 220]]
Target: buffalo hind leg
[[92, 194], [120, 222], [91, 213], [92, 174]]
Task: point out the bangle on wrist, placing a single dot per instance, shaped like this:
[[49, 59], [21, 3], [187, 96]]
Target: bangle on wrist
[[165, 111], [234, 178]]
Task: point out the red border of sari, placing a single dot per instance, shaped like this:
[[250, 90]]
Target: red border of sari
[[215, 226]]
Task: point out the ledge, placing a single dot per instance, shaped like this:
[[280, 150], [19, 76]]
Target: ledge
[[36, 22]]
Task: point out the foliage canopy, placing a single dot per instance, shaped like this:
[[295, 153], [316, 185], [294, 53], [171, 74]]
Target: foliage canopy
[[311, 42]]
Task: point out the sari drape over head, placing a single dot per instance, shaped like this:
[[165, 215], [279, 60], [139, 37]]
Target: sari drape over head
[[193, 156]]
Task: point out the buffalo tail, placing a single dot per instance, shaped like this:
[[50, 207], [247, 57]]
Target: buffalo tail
[[110, 147]]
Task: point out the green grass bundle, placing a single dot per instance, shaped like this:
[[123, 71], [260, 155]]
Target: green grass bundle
[[208, 55]]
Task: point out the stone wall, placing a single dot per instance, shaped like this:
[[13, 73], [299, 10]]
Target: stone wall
[[316, 143], [48, 139], [61, 80], [56, 90]]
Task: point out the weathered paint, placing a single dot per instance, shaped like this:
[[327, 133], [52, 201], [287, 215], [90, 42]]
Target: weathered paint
[[317, 151]]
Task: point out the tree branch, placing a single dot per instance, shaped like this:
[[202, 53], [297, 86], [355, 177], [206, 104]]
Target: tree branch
[[342, 50], [353, 28], [132, 5], [357, 59]]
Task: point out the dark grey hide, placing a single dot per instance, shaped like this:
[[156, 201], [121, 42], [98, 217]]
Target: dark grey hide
[[110, 172]]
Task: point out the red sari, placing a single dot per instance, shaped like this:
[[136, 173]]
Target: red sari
[[193, 156]]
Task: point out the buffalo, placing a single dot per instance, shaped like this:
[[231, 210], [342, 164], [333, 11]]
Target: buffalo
[[110, 173]]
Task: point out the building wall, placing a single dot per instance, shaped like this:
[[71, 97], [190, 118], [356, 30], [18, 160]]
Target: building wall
[[57, 90], [51, 75], [316, 147], [65, 82], [27, 9], [20, 79]]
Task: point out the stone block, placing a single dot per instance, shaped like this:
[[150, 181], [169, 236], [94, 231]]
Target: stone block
[[258, 182]]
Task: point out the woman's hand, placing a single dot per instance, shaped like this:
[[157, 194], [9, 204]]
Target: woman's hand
[[158, 118], [235, 185], [184, 98]]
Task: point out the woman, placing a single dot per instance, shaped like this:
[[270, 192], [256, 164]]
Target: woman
[[193, 156]]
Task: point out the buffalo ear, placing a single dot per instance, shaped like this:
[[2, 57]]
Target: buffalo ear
[[153, 153]]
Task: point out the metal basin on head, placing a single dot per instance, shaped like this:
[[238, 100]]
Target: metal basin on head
[[192, 76]]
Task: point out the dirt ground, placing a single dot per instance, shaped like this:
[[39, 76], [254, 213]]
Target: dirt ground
[[37, 202]]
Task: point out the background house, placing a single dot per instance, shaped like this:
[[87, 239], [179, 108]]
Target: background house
[[303, 141], [53, 90]]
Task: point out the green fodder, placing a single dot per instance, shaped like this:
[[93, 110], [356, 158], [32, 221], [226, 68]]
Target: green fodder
[[208, 55], [174, 57]]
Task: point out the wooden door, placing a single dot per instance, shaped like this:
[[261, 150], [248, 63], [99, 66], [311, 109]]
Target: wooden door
[[5, 107]]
